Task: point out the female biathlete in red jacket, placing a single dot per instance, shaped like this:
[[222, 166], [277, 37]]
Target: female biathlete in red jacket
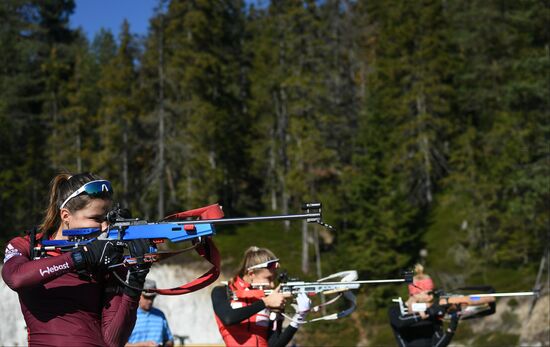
[[69, 299], [245, 316]]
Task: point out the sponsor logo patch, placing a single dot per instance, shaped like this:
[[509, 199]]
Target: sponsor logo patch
[[10, 252], [54, 268]]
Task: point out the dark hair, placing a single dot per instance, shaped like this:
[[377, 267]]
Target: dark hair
[[61, 187]]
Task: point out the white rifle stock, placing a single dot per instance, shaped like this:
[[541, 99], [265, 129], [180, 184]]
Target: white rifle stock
[[329, 285]]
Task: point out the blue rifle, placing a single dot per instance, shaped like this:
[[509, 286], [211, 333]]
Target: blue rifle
[[175, 228]]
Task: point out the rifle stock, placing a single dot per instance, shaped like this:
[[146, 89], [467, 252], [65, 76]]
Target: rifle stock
[[466, 300]]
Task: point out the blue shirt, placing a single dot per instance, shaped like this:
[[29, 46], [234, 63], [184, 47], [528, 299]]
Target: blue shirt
[[151, 326]]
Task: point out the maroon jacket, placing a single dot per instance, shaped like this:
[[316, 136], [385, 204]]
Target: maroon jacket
[[63, 309]]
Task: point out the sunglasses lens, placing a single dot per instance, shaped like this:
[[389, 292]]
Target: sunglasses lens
[[93, 188], [272, 266], [98, 187]]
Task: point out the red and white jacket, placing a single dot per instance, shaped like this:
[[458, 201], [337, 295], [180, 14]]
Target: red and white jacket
[[253, 331]]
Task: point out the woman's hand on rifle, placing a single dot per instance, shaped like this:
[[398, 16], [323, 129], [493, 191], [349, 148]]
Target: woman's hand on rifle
[[436, 311], [137, 273], [96, 255], [276, 300]]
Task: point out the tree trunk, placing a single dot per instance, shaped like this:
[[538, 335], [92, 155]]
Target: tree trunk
[[318, 264], [424, 145], [78, 152], [125, 183], [282, 133], [305, 247], [161, 163], [272, 171]]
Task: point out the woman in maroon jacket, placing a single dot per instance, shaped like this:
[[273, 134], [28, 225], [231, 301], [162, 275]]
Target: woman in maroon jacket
[[70, 298]]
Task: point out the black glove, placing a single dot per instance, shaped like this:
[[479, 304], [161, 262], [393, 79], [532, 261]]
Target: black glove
[[436, 311], [137, 273], [138, 248], [136, 279], [98, 254]]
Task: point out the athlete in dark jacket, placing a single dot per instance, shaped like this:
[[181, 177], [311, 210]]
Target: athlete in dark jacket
[[414, 330], [424, 328]]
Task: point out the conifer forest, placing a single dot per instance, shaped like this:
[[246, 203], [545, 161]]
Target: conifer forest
[[423, 127]]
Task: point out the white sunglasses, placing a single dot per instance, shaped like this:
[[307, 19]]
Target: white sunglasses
[[92, 188], [270, 264]]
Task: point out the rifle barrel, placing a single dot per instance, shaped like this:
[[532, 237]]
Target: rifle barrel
[[397, 280], [350, 282], [502, 294], [315, 216]]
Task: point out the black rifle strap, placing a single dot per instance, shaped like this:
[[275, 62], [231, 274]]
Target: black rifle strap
[[32, 240]]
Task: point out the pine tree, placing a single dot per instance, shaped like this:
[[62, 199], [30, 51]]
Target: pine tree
[[34, 36], [157, 116], [493, 197], [341, 29], [57, 67], [412, 80], [103, 47], [74, 137], [288, 93], [119, 129], [402, 130], [203, 60]]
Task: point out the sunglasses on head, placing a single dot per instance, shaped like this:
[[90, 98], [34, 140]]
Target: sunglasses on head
[[270, 264], [92, 188]]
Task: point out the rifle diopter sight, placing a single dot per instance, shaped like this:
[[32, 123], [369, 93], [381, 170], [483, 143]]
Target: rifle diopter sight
[[314, 208], [284, 277], [118, 214], [408, 276]]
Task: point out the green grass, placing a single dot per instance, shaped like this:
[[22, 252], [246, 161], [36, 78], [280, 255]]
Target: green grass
[[382, 336], [495, 339], [330, 333], [285, 244], [442, 235], [443, 238]]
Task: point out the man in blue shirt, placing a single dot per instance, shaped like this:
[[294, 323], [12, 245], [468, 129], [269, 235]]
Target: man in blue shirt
[[151, 327]]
